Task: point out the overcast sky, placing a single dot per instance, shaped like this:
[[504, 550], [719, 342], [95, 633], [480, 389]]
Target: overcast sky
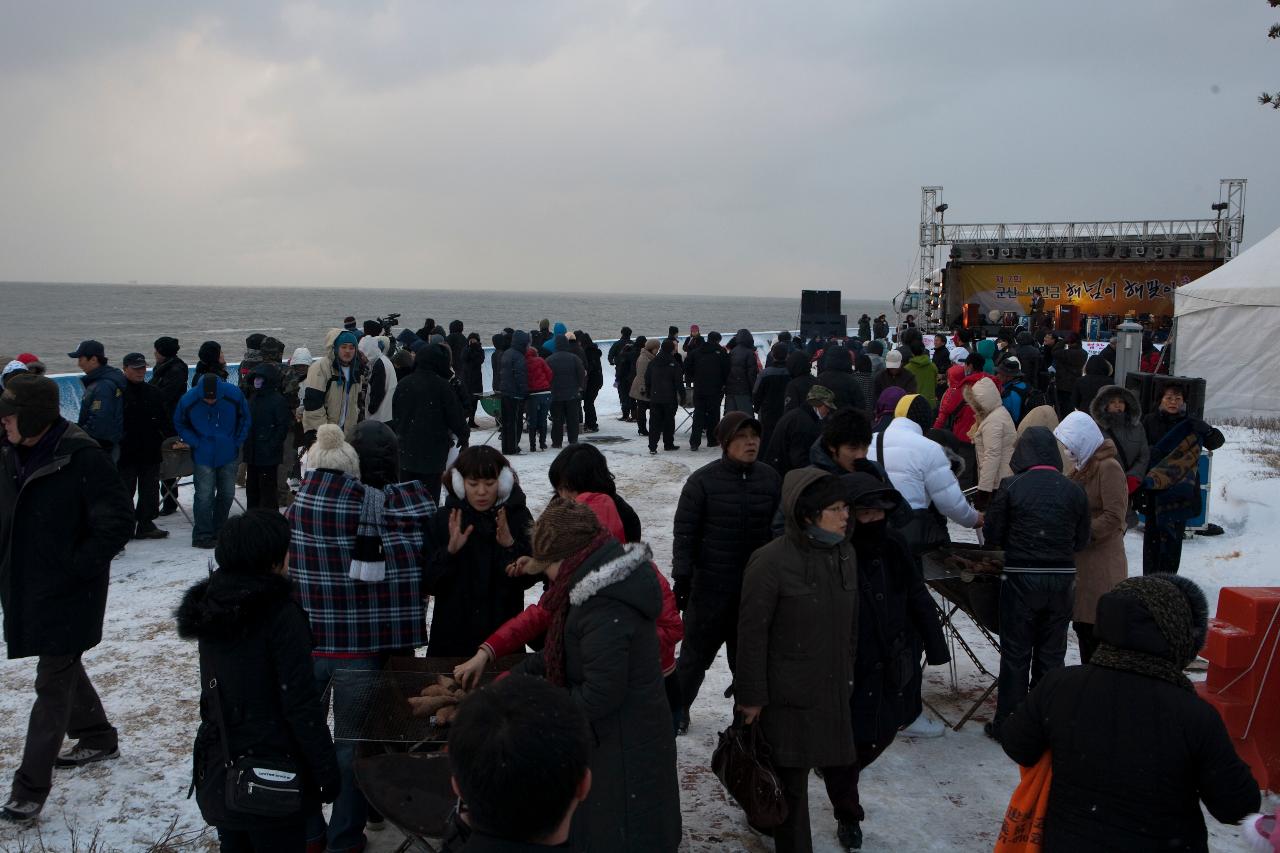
[[714, 147]]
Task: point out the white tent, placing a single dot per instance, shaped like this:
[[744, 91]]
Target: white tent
[[1224, 322]]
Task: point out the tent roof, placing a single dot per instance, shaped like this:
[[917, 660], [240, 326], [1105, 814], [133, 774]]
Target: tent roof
[[1252, 279]]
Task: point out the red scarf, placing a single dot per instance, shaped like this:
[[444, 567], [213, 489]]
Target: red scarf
[[556, 600]]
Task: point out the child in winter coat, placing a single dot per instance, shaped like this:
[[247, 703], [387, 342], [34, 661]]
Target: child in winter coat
[[270, 422]]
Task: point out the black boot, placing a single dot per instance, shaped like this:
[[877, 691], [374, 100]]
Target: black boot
[[850, 834]]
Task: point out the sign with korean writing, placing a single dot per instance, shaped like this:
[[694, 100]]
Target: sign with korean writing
[[1096, 287]]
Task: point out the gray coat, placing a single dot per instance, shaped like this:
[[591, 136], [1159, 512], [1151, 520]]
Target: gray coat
[[1125, 430], [797, 638], [613, 674]]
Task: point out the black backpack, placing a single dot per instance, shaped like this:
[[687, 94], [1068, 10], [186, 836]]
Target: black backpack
[[1030, 396]]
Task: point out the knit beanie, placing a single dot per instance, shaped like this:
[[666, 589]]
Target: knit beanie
[[332, 451], [166, 346], [1153, 625], [346, 336], [272, 349], [254, 341], [563, 529], [34, 399], [916, 409], [210, 352]]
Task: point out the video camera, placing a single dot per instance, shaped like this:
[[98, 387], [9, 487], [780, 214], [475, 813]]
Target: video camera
[[388, 322]]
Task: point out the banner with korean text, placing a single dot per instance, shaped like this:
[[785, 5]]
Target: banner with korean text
[[1097, 287]]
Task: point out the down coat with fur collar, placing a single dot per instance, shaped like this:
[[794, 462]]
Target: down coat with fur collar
[[612, 671]]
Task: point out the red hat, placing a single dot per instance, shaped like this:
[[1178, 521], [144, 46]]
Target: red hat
[[693, 330], [26, 358]]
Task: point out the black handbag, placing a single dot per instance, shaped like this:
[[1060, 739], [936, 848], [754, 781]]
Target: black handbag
[[924, 529], [264, 786], [741, 761]]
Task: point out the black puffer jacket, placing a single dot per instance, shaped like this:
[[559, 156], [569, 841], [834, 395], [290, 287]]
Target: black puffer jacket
[[146, 424], [500, 344], [254, 640], [612, 671], [724, 514], [568, 373], [1097, 375], [59, 531], [170, 379], [1038, 517], [802, 380], [837, 377], [708, 368], [473, 593], [743, 366], [1123, 428], [769, 396], [425, 411]]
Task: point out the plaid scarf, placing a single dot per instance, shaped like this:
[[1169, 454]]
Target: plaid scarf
[[556, 601]]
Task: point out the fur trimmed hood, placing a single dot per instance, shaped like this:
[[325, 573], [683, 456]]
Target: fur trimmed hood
[[225, 606], [1132, 411], [620, 576]]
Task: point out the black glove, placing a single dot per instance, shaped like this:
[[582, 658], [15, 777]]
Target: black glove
[[681, 591], [981, 500], [308, 439]]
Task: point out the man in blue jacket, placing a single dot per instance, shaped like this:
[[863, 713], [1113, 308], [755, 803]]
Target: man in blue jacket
[[102, 406], [213, 420]]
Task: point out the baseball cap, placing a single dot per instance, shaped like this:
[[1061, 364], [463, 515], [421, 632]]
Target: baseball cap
[[893, 358], [1010, 365], [88, 349], [134, 359], [820, 395]]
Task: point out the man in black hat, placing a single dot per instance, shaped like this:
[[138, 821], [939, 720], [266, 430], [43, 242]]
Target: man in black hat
[[63, 516], [723, 516], [169, 376], [145, 426], [102, 406]]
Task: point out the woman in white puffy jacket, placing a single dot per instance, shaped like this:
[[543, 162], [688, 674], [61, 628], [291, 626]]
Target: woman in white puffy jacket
[[994, 435], [382, 377]]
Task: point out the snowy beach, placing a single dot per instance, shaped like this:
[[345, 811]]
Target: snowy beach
[[946, 794]]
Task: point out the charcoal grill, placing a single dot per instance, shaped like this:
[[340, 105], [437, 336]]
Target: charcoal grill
[[976, 597]]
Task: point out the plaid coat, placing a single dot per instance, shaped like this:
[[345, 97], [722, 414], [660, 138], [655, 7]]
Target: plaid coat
[[350, 617]]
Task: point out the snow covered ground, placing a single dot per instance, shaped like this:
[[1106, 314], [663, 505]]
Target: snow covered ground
[[947, 794]]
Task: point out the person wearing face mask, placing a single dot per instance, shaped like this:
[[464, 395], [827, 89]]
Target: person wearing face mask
[[334, 392], [896, 620], [1171, 487], [797, 629], [480, 530]]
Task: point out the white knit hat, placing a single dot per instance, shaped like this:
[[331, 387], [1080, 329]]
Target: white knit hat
[[332, 451], [301, 355]]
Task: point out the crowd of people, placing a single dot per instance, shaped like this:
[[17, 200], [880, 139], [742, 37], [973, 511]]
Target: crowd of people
[[797, 550]]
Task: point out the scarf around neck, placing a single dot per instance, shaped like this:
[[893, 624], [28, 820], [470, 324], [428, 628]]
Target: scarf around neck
[[556, 601]]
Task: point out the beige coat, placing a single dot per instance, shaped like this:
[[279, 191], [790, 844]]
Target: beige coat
[[1101, 565], [993, 433], [323, 395], [642, 365], [1046, 417]]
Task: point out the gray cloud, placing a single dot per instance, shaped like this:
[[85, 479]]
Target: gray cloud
[[714, 147]]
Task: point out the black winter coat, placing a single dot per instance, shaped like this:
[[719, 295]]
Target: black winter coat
[[793, 437], [1097, 375], [457, 344], [1039, 518], [425, 410], [724, 514], [146, 424], [59, 531], [743, 365], [837, 377], [471, 368], [270, 419], [473, 594], [768, 398], [707, 367], [513, 372], [896, 618], [170, 378], [663, 379], [1068, 365], [615, 352], [625, 373], [630, 520], [592, 355], [254, 640], [1133, 758], [613, 674], [500, 344], [802, 379]]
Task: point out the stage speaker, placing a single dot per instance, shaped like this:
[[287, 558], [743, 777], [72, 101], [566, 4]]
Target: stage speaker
[[819, 302], [1068, 318]]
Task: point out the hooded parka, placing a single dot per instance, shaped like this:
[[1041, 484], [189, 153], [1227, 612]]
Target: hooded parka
[[329, 395], [797, 637], [1124, 429], [994, 434]]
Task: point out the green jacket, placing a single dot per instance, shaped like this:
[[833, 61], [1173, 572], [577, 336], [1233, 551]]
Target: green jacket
[[926, 374]]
